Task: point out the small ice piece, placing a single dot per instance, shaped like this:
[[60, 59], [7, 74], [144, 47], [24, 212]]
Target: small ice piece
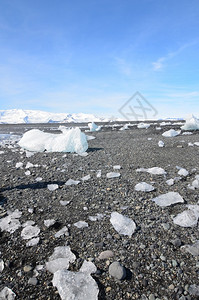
[[192, 123], [161, 144], [72, 182], [196, 143], [32, 242], [187, 218], [19, 165], [63, 231], [77, 285], [81, 224], [96, 218], [187, 133], [30, 210], [64, 203], [60, 259], [99, 174], [29, 154], [143, 125], [122, 224], [1, 152], [149, 139], [29, 165], [190, 144], [11, 223], [144, 187], [92, 126], [1, 265], [194, 290], [125, 127], [193, 249], [7, 294], [52, 187], [183, 172], [171, 133], [87, 177], [112, 175], [49, 222], [154, 171], [83, 154], [170, 181], [117, 167], [29, 232], [168, 199], [90, 137], [28, 223], [27, 173], [38, 179]]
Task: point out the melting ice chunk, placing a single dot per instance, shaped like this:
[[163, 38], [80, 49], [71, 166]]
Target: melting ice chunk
[[49, 222], [143, 125], [77, 285], [71, 182], [170, 181], [171, 133], [112, 175], [87, 177], [161, 144], [122, 224], [188, 218], [144, 187], [52, 187], [63, 231], [168, 199], [19, 165], [29, 232], [32, 242], [7, 294], [81, 224], [183, 172], [193, 249], [1, 265], [11, 223], [192, 123], [98, 173], [154, 170]]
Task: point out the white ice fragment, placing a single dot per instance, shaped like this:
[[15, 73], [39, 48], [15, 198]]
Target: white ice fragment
[[125, 127], [192, 123], [64, 203], [1, 265], [7, 294], [117, 167], [193, 249], [170, 181], [144, 187], [1, 152], [28, 223], [196, 143], [161, 144], [30, 210], [27, 173], [149, 139], [112, 175], [154, 170], [143, 125], [96, 218], [49, 222], [72, 182], [87, 177], [52, 187], [29, 165], [90, 137], [93, 127], [29, 154], [194, 290], [11, 223], [60, 259], [63, 231], [71, 140], [81, 224], [19, 165], [168, 199], [122, 224], [98, 173], [171, 133], [32, 242], [29, 232], [88, 267], [38, 179], [187, 133], [188, 218], [183, 172], [76, 285], [83, 154]]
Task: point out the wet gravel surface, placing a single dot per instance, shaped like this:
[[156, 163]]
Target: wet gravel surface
[[156, 267]]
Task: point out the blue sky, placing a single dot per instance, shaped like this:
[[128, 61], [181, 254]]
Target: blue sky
[[92, 56]]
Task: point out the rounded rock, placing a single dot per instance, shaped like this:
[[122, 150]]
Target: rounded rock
[[117, 270]]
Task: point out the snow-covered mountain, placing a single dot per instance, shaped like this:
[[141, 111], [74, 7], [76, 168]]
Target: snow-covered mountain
[[16, 116]]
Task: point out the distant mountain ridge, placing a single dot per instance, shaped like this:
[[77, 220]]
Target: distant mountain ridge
[[17, 116]]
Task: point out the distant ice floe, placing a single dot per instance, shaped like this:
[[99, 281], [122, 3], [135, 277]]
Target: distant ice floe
[[168, 199], [122, 224], [125, 127], [192, 123], [143, 125], [153, 170], [71, 140], [144, 187], [171, 133]]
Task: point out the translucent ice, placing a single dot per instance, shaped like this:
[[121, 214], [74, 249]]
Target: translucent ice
[[192, 123], [71, 140], [87, 177], [19, 165], [29, 232], [71, 182], [171, 133], [1, 265], [168, 199], [154, 170], [76, 285], [112, 175], [81, 224], [11, 223], [161, 144], [96, 218], [144, 187], [193, 249], [93, 127], [7, 294], [49, 222], [188, 218], [170, 181], [143, 125], [183, 172], [52, 187], [60, 259], [122, 224], [32, 242], [63, 231]]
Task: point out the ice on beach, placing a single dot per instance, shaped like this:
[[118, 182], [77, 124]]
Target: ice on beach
[[1, 265], [195, 183], [71, 140], [52, 187], [29, 232], [7, 294], [193, 249], [96, 218], [2, 152], [27, 173], [122, 224], [85, 178], [64, 202], [161, 144], [188, 218], [168, 199], [144, 187], [98, 173], [117, 167], [112, 175], [49, 222], [194, 290], [60, 259], [187, 133], [63, 231], [32, 242], [154, 170], [72, 182], [170, 181], [192, 123], [81, 224], [77, 285], [143, 125], [38, 179], [171, 133], [125, 127], [11, 223], [183, 172], [93, 127], [19, 165], [29, 165], [28, 223]]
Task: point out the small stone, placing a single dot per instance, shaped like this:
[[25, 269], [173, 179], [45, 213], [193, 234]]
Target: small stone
[[27, 268], [174, 263], [163, 258], [106, 254], [171, 287], [176, 242], [117, 270], [108, 288], [33, 281], [151, 297]]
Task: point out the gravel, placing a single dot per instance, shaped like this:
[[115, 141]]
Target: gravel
[[155, 265]]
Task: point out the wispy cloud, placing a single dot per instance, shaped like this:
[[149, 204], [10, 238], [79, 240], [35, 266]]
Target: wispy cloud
[[123, 66]]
